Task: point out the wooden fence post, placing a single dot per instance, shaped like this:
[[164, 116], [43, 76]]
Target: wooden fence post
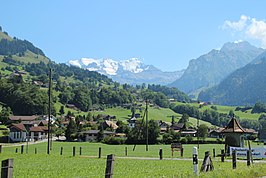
[[100, 152], [7, 168], [80, 150], [248, 157], [207, 163], [22, 149], [109, 166], [213, 151], [16, 150], [126, 151], [61, 151], [234, 159], [0, 148], [222, 155], [74, 151], [161, 153], [182, 152]]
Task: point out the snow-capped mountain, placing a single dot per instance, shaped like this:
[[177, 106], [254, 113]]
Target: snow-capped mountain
[[131, 71]]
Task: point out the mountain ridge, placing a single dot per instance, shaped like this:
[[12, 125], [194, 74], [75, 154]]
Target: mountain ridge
[[210, 69]]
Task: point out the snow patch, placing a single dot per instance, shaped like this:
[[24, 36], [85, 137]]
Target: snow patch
[[75, 63]]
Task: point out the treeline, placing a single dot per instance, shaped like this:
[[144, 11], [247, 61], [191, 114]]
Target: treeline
[[170, 92], [17, 46], [208, 115]]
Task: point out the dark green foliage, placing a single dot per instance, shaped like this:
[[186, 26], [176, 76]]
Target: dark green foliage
[[259, 107], [4, 114], [71, 131], [23, 98], [170, 92], [211, 116], [114, 140], [134, 136], [203, 131], [16, 46], [171, 137]]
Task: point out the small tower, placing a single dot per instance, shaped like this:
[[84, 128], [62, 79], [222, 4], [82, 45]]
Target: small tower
[[234, 134]]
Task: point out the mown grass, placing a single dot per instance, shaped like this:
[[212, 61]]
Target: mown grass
[[88, 165]]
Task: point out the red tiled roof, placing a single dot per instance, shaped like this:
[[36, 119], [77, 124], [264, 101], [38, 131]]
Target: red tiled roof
[[36, 129], [19, 127]]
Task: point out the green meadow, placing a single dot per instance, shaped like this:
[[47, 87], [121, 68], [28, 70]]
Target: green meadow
[[138, 163]]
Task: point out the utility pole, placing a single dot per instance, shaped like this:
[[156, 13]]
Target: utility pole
[[49, 111], [198, 130], [147, 129]]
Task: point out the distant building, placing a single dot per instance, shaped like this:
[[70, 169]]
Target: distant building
[[91, 135]]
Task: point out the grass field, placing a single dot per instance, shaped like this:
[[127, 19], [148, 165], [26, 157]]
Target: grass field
[[89, 165], [226, 110]]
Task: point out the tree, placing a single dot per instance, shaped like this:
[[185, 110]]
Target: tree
[[203, 131], [62, 110], [4, 115], [184, 119], [71, 131]]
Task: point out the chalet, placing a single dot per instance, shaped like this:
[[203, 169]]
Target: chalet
[[18, 133], [91, 135]]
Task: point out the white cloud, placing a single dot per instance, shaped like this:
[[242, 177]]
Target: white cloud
[[257, 30], [248, 28], [237, 26]]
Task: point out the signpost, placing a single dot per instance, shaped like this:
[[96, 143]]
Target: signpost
[[195, 160]]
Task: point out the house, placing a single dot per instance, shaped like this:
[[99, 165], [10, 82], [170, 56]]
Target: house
[[28, 128], [164, 126], [132, 122], [216, 133], [18, 133], [109, 124], [91, 135], [179, 126], [38, 133]]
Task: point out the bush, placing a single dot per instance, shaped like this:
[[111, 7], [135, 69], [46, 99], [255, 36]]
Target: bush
[[113, 140]]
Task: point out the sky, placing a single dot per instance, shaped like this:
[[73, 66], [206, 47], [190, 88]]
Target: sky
[[163, 33]]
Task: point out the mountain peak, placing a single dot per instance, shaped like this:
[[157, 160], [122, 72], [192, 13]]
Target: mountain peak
[[237, 45]]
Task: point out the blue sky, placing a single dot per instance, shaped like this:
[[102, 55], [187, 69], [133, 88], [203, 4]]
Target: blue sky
[[165, 33]]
